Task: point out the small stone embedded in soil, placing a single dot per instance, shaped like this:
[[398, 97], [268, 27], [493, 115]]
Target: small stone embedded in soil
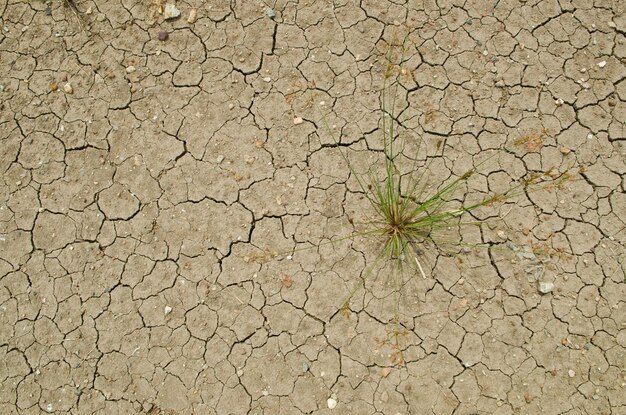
[[171, 12], [612, 24], [545, 287], [193, 15], [163, 35], [89, 11], [68, 88], [130, 69], [220, 159], [305, 367], [602, 64], [167, 310], [571, 373], [267, 79], [270, 13], [298, 120], [332, 403]]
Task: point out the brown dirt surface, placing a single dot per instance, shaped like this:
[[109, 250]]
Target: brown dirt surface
[[152, 185]]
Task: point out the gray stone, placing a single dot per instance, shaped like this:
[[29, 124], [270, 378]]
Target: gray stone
[[171, 12], [545, 287]]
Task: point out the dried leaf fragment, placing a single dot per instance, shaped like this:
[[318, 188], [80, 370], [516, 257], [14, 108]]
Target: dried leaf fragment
[[287, 281]]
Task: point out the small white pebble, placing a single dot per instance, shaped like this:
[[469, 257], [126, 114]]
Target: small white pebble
[[267, 79], [545, 287], [298, 120], [602, 64], [332, 403], [167, 310], [589, 136], [571, 373], [130, 69], [68, 88]]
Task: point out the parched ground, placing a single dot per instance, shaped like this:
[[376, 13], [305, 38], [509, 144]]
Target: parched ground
[[148, 178]]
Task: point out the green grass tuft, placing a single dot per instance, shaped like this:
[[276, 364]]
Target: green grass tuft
[[406, 213]]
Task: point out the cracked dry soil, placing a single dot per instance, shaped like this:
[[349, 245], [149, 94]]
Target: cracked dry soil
[[144, 177]]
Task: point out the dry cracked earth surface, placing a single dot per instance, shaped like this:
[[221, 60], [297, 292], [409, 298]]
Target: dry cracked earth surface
[[152, 167]]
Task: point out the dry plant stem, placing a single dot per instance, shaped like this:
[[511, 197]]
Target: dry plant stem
[[72, 6], [417, 261]]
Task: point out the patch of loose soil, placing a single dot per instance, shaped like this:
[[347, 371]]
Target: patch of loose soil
[[150, 181]]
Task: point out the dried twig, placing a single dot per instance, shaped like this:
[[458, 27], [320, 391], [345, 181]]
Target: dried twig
[[72, 6]]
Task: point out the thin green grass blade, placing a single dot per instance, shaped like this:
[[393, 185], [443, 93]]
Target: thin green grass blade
[[345, 157]]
